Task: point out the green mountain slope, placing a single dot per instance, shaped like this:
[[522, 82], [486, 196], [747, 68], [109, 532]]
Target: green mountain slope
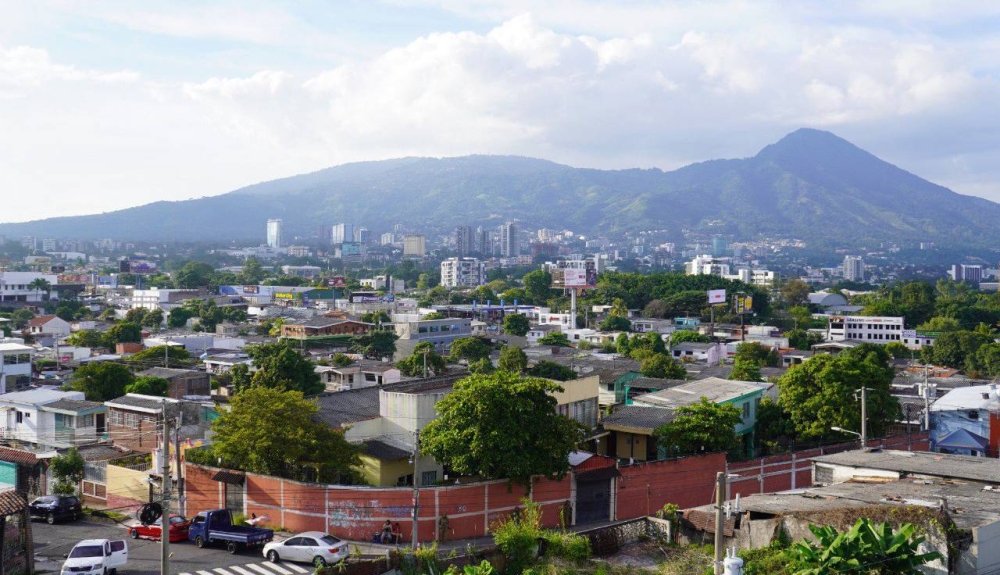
[[811, 184]]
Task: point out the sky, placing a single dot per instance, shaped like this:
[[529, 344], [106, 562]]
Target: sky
[[106, 105]]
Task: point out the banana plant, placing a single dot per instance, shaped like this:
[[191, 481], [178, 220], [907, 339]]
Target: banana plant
[[866, 548]]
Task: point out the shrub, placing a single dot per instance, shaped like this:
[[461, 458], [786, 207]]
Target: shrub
[[517, 536], [569, 546]]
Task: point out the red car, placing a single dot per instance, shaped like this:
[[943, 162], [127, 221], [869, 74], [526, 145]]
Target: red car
[[178, 529]]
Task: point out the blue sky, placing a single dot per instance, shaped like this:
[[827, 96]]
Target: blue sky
[[105, 105]]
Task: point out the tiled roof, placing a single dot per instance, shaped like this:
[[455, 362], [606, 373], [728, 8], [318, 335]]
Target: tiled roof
[[230, 477], [383, 451], [40, 320], [135, 401], [102, 452], [168, 373], [640, 417], [17, 456], [705, 521], [337, 409], [12, 502], [75, 405]]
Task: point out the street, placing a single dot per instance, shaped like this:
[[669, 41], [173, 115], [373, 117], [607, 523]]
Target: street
[[52, 542]]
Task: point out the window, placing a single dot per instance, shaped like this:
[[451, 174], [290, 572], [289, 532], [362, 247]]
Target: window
[[428, 477], [294, 542], [131, 420], [85, 421], [746, 410], [20, 417]]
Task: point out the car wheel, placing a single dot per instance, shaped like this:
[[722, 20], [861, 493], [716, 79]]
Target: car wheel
[[134, 533], [50, 519], [199, 541], [272, 556], [319, 562], [114, 571], [75, 516], [232, 547]]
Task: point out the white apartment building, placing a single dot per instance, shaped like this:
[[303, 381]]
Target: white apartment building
[[383, 283], [414, 245], [14, 286], [302, 271], [15, 366], [854, 269], [165, 299], [763, 278], [463, 272], [707, 265], [863, 328], [440, 332]]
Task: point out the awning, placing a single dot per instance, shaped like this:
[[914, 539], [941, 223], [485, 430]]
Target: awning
[[599, 474], [230, 477], [963, 439]]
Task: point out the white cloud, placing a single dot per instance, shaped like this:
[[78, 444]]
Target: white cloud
[[667, 86]]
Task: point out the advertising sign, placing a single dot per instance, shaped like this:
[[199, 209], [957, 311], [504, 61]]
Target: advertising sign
[[142, 267], [574, 278], [716, 296], [365, 297], [252, 290], [284, 295], [743, 303], [336, 282], [124, 267], [348, 249]]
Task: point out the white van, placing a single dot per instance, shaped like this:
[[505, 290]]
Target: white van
[[96, 557]]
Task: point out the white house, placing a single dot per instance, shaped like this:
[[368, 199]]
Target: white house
[[711, 353], [49, 325], [51, 419], [15, 365]]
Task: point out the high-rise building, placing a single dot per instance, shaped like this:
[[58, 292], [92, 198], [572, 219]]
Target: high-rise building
[[342, 233], [274, 233], [463, 272], [388, 238], [484, 241], [362, 235], [414, 245], [719, 247], [48, 244], [509, 245], [970, 274], [854, 269], [463, 240]]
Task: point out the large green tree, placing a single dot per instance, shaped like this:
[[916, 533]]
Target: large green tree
[[516, 324], [953, 349], [470, 349], [280, 366], [703, 427], [823, 392], [158, 355], [424, 356], [123, 332], [193, 275], [662, 366], [148, 385], [275, 432], [101, 381], [552, 370], [795, 292], [539, 285], [502, 426], [376, 344], [67, 469], [556, 338], [513, 359]]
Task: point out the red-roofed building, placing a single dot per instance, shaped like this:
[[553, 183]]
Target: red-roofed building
[[49, 325]]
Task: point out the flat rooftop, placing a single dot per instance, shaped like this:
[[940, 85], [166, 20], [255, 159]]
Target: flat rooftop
[[985, 469]]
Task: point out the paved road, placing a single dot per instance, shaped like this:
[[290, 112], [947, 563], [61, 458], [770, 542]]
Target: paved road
[[52, 542]]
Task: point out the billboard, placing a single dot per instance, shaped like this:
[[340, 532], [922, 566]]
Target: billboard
[[574, 278], [716, 296], [336, 282], [576, 274], [284, 295], [743, 303], [349, 249], [142, 267], [251, 290], [370, 297], [124, 267]]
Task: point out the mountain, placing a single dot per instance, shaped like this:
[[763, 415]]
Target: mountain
[[811, 184]]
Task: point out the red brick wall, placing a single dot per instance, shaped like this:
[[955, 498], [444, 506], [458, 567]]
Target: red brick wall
[[644, 488]]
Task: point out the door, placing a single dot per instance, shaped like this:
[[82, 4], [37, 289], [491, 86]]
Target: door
[[234, 498], [293, 550], [309, 549], [101, 423], [119, 554], [593, 501]]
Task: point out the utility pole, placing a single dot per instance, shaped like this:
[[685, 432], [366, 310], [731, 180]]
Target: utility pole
[[416, 485], [166, 352], [425, 363], [720, 495], [864, 418], [165, 517], [177, 463]]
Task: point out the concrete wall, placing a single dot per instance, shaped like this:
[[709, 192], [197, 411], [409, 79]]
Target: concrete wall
[[126, 488]]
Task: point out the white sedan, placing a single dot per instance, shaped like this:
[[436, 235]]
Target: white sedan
[[313, 547]]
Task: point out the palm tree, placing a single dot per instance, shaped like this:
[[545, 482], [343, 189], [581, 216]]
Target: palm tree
[[619, 308], [41, 285]]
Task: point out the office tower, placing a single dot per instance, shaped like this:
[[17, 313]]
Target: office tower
[[484, 241], [509, 245], [342, 233], [854, 269], [463, 240], [274, 233], [414, 245]]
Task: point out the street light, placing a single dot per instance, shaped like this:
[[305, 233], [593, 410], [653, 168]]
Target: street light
[[842, 430]]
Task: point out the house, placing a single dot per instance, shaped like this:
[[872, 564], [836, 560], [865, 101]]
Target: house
[[790, 357], [711, 353], [643, 325], [325, 328], [631, 432], [966, 421], [439, 332], [579, 400], [537, 332], [135, 420], [51, 325], [181, 382], [221, 363], [51, 419], [356, 375], [15, 366]]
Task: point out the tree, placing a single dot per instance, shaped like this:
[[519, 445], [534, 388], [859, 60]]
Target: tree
[[662, 366], [940, 324], [377, 317], [703, 427], [954, 348], [434, 315], [552, 370], [802, 316], [616, 323], [556, 338], [502, 426], [175, 355], [539, 285], [376, 344], [795, 292], [153, 319], [470, 349], [820, 393], [682, 336], [774, 426], [513, 359], [41, 285], [424, 355], [289, 442], [342, 360], [87, 338], [745, 370], [101, 381], [897, 350], [179, 316], [757, 353], [865, 545], [67, 469], [618, 308], [423, 281], [148, 385], [623, 344], [802, 339], [482, 367], [280, 366], [656, 308], [516, 324], [123, 332], [193, 275], [252, 272]]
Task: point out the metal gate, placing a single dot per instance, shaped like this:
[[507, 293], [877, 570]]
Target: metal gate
[[234, 497], [593, 501], [8, 475]]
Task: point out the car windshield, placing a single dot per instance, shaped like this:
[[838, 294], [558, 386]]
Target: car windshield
[[330, 540], [87, 551], [47, 499], [176, 520]]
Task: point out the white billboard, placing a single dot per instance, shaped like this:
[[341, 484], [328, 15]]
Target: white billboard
[[575, 278], [716, 296]]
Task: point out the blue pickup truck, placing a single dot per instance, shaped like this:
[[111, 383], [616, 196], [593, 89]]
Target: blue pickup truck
[[217, 527]]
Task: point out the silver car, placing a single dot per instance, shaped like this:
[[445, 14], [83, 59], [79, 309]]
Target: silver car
[[313, 547]]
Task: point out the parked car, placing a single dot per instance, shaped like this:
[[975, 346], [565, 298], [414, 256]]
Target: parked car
[[178, 529], [54, 507], [96, 557], [313, 547], [217, 527]]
